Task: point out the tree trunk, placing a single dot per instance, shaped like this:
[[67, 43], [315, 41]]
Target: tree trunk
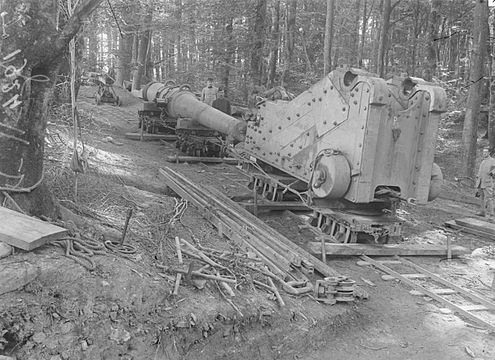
[[272, 66], [387, 10], [432, 52], [23, 121], [92, 48], [491, 80], [354, 28], [259, 40], [290, 37], [415, 35], [377, 32], [148, 63], [124, 55], [364, 26], [453, 47], [142, 52], [470, 130], [178, 22], [227, 55]]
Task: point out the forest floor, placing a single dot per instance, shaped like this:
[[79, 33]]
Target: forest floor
[[123, 308]]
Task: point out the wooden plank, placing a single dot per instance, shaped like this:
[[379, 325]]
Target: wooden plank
[[364, 263], [319, 265], [431, 294], [258, 226], [452, 224], [274, 206], [217, 219], [458, 197], [444, 291], [203, 159], [474, 307], [150, 137], [436, 291], [386, 249], [408, 276], [477, 224], [26, 232]]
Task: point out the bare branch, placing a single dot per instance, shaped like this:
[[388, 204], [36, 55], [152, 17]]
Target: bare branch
[[14, 138], [81, 12], [23, 190]]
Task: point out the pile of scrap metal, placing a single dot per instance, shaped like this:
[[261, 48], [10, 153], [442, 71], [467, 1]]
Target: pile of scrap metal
[[286, 263]]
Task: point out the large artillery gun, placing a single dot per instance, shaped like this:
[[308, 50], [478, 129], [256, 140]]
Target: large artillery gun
[[353, 146], [200, 128]]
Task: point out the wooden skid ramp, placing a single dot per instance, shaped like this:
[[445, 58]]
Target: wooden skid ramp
[[287, 261], [438, 288]]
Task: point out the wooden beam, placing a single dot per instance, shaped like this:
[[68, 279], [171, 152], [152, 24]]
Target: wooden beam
[[458, 197], [26, 232], [150, 137], [477, 224], [203, 159], [257, 228], [220, 220], [319, 266], [452, 224], [386, 250], [274, 206]]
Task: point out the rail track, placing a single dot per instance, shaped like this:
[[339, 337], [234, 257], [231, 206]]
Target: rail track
[[464, 302]]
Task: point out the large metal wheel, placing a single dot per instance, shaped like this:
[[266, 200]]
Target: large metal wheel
[[331, 177]]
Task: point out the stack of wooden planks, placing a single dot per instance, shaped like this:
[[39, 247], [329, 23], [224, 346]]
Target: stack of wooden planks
[[473, 226], [285, 259]]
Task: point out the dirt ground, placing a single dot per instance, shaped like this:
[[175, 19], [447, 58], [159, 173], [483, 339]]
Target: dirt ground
[[123, 308]]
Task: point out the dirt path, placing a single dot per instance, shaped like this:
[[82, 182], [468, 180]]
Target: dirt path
[[123, 308]]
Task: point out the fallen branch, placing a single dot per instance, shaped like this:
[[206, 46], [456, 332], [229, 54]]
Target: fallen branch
[[179, 275], [231, 303], [202, 255], [205, 276], [275, 291]]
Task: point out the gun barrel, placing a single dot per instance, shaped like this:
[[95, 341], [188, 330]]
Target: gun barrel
[[180, 102]]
